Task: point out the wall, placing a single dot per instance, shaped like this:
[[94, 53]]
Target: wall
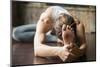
[[86, 14]]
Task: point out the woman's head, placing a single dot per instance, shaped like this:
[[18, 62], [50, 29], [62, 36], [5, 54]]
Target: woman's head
[[61, 20]]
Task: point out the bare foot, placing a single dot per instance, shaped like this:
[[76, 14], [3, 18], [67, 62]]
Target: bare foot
[[67, 34]]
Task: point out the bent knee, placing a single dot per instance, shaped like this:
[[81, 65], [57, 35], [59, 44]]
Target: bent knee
[[16, 34]]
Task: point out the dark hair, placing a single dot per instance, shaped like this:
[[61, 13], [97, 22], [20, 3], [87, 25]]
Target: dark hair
[[58, 25]]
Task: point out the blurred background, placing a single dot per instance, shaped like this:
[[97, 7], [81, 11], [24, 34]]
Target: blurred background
[[29, 13]]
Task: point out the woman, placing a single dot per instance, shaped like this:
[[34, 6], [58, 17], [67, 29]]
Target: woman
[[57, 21]]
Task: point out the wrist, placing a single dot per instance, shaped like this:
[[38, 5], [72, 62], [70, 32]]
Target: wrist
[[60, 50]]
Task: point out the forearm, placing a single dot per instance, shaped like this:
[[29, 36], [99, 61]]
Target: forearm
[[44, 50]]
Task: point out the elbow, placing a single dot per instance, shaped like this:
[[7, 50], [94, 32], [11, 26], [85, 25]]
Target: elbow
[[37, 49], [83, 48]]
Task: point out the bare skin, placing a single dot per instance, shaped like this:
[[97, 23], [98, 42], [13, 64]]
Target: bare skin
[[65, 52]]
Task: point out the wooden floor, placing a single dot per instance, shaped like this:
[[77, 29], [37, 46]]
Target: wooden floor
[[22, 53]]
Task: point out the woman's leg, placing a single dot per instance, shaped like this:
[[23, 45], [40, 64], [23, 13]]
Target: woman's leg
[[24, 33]]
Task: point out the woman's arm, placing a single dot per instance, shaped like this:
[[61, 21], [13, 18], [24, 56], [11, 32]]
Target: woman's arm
[[40, 47], [79, 51]]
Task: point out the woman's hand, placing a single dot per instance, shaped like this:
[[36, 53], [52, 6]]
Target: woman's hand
[[73, 52], [63, 53], [69, 53], [76, 51]]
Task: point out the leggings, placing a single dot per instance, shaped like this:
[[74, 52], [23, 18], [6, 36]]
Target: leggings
[[25, 33]]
